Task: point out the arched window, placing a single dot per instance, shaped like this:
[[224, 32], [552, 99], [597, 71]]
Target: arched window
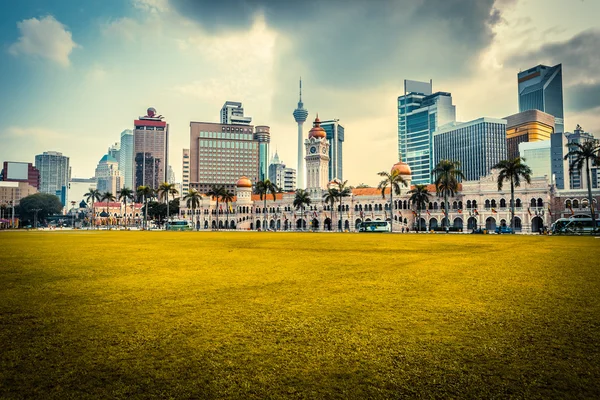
[[487, 203], [518, 203], [356, 207], [540, 203], [405, 207], [474, 203], [395, 204], [494, 203], [468, 203], [585, 203], [575, 203], [568, 204], [435, 206], [517, 223], [532, 203], [502, 203], [454, 205], [430, 205]]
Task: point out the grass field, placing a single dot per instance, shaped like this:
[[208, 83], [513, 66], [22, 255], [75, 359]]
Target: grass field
[[286, 315]]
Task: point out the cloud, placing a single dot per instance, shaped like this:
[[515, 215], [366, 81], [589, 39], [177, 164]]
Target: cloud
[[45, 38], [153, 6]]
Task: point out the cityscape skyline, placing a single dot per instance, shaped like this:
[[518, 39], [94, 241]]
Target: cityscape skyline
[[487, 86]]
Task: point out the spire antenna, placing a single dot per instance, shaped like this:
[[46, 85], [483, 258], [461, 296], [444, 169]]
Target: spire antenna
[[300, 89]]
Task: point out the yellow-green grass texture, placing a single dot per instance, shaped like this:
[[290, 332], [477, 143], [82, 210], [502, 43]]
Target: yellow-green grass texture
[[291, 315]]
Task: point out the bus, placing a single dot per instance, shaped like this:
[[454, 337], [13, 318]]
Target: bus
[[375, 226], [180, 225], [576, 224]]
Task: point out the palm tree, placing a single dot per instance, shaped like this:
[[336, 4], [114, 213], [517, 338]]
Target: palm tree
[[585, 153], [145, 193], [93, 195], [512, 170], [343, 191], [227, 197], [419, 196], [216, 192], [165, 190], [331, 196], [108, 196], [124, 195], [301, 200], [447, 174], [193, 199], [393, 180], [263, 188]]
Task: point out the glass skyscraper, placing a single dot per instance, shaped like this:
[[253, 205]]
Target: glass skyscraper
[[335, 135], [55, 174], [478, 145], [420, 113], [540, 88], [263, 137], [126, 158]]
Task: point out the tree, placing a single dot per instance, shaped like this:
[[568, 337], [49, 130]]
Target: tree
[[216, 192], [331, 196], [301, 200], [144, 194], [263, 188], [393, 180], [193, 199], [165, 190], [512, 170], [585, 153], [45, 204], [419, 196], [108, 197], [124, 195], [93, 195], [447, 174], [227, 197]]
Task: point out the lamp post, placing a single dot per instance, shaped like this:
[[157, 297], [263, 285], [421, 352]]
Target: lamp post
[[12, 205], [73, 214]]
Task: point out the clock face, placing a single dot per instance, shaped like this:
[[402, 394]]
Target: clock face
[[324, 150], [313, 150]]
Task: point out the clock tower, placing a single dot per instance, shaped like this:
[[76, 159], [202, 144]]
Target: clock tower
[[317, 161]]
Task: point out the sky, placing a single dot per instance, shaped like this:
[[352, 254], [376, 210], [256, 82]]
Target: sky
[[75, 74]]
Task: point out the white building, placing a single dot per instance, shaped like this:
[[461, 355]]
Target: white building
[[126, 158], [185, 177], [108, 177], [232, 113], [280, 175]]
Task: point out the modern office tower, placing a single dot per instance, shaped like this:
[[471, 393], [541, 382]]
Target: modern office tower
[[78, 187], [577, 179], [540, 88], [20, 172], [300, 115], [538, 156], [284, 178], [478, 145], [108, 177], [558, 143], [221, 154], [126, 158], [527, 126], [171, 175], [150, 150], [232, 113], [420, 114], [335, 136], [185, 176], [263, 136], [54, 174], [115, 151]]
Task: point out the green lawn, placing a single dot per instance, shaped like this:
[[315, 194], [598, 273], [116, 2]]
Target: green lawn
[[287, 315]]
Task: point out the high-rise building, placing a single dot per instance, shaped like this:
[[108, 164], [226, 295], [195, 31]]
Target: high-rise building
[[126, 158], [300, 115], [220, 154], [577, 179], [115, 151], [335, 136], [558, 143], [263, 136], [284, 178], [527, 126], [55, 174], [232, 113], [171, 175], [540, 88], [317, 161], [420, 114], [108, 177], [150, 150], [538, 156], [20, 172], [478, 145], [185, 177]]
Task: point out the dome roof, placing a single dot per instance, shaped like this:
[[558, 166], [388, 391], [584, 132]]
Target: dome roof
[[244, 182], [317, 132], [402, 168], [108, 158]]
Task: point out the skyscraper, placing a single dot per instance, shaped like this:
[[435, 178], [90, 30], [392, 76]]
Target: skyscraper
[[420, 113], [108, 177], [150, 150], [335, 136], [280, 175], [221, 154], [55, 174], [300, 115], [115, 151], [263, 137], [478, 145], [577, 178], [126, 158], [527, 126], [185, 176], [540, 88], [232, 113]]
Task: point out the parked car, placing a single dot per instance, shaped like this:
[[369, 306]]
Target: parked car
[[503, 229]]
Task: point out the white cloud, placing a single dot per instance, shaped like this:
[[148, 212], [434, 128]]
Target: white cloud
[[153, 6], [125, 28], [45, 38]]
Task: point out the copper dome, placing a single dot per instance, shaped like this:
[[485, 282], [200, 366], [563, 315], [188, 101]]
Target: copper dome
[[244, 182], [317, 132], [402, 168]]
